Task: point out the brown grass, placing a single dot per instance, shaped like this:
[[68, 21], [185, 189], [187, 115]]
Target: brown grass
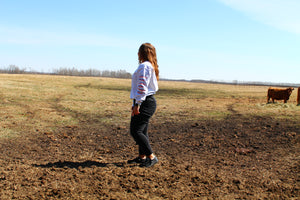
[[43, 103]]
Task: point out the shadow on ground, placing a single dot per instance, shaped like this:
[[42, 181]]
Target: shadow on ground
[[76, 165]]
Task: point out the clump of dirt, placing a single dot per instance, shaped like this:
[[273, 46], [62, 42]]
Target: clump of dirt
[[235, 158]]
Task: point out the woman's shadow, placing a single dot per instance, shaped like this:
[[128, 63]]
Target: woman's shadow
[[76, 165]]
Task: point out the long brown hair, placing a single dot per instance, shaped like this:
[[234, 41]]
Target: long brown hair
[[147, 52]]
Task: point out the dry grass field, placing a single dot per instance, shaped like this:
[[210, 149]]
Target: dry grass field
[[68, 138]]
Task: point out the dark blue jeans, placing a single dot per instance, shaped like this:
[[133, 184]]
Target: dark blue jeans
[[139, 125]]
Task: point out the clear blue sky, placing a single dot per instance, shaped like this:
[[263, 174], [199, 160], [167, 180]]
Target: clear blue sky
[[243, 40]]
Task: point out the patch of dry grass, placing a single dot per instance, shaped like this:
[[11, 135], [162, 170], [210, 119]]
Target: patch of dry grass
[[31, 103]]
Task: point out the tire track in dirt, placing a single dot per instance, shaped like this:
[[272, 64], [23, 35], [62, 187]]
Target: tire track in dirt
[[234, 113]]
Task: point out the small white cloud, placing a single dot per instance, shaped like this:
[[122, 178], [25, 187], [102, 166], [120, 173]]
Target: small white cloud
[[281, 14]]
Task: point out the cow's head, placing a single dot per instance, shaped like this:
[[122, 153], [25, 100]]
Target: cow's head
[[290, 90]]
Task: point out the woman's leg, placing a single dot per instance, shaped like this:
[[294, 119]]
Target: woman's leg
[[142, 150], [138, 130]]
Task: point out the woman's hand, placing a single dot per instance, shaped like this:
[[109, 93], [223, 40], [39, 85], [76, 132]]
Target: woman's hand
[[135, 110]]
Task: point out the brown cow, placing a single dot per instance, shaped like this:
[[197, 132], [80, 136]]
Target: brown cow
[[298, 97], [279, 94]]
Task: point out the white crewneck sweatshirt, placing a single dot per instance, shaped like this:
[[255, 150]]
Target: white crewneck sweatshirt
[[143, 83]]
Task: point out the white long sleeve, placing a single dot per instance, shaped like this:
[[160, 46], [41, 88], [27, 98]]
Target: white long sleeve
[[143, 83]]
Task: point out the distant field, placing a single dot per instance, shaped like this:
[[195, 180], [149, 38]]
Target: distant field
[[64, 137], [43, 102]]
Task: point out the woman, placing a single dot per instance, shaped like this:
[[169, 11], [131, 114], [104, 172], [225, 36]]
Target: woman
[[143, 86]]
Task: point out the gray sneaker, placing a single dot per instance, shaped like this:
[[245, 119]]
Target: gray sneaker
[[136, 160], [149, 162]]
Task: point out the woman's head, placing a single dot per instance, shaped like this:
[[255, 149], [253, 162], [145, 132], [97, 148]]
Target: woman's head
[[147, 52]]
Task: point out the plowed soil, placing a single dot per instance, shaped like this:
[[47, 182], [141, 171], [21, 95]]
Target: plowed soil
[[235, 158]]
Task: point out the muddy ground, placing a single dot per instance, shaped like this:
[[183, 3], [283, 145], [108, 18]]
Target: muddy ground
[[235, 158]]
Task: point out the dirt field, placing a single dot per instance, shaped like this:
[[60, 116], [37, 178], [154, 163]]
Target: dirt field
[[221, 143]]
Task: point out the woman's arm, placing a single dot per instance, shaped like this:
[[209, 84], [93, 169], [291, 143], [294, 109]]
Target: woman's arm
[[143, 75]]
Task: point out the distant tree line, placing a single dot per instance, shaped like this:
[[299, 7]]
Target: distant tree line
[[92, 72], [252, 83], [13, 69]]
